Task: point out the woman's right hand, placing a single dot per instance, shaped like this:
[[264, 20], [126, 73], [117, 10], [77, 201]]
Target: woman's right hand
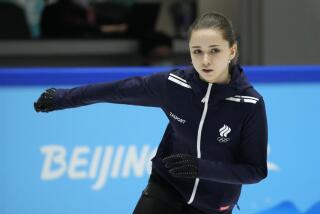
[[45, 103]]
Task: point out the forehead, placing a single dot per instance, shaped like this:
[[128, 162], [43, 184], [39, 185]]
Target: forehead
[[204, 37]]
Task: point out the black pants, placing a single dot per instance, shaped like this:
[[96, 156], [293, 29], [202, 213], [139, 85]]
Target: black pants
[[159, 198]]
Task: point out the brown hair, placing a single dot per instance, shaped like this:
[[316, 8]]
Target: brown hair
[[219, 22]]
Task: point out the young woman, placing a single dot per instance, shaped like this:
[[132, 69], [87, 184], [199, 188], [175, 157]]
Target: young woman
[[216, 138]]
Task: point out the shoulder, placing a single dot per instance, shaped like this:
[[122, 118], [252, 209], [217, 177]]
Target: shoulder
[[255, 101], [178, 73], [164, 77], [177, 77], [252, 93], [248, 96]]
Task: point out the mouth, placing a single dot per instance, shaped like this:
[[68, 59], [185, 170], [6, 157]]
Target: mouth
[[207, 70]]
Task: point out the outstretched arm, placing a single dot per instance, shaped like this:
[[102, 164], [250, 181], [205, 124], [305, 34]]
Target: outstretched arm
[[145, 91]]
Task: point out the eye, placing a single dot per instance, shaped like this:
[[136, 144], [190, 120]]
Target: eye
[[197, 51], [215, 50]]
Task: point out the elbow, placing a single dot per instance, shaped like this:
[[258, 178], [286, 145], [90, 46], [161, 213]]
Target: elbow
[[261, 173], [258, 173], [264, 173]]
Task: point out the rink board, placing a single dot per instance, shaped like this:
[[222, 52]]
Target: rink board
[[95, 159]]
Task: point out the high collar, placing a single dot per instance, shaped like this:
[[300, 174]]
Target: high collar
[[237, 84]]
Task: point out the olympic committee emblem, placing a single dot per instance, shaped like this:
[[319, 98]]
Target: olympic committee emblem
[[224, 131]]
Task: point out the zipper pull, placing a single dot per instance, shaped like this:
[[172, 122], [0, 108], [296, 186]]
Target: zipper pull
[[205, 99]]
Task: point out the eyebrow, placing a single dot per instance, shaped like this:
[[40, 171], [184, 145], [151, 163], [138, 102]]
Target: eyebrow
[[210, 46]]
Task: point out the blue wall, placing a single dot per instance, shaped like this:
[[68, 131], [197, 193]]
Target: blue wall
[[96, 158]]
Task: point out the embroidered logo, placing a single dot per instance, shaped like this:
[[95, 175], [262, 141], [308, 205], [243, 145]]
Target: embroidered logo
[[224, 131], [177, 118]]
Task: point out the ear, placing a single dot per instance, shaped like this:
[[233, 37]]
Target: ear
[[233, 50]]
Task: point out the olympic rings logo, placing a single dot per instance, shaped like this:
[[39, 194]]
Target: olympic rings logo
[[223, 139]]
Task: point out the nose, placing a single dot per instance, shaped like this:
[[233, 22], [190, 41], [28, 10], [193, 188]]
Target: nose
[[206, 60]]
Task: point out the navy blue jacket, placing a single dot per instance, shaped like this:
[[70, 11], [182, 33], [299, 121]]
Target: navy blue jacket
[[224, 125]]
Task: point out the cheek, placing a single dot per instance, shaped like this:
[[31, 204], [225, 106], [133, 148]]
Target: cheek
[[194, 59], [222, 58]]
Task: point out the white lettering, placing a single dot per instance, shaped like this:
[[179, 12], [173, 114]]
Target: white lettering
[[117, 162], [77, 161], [100, 163], [104, 168], [54, 154], [177, 118], [95, 162], [149, 164], [132, 161], [271, 165]]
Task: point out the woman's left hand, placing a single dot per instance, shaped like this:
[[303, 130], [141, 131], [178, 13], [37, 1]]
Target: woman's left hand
[[182, 165]]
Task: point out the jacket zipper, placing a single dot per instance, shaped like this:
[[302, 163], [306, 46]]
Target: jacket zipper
[[205, 100]]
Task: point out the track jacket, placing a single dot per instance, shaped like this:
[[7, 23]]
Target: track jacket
[[225, 126]]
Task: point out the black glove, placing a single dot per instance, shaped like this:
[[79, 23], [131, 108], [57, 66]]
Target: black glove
[[182, 165], [45, 103]]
